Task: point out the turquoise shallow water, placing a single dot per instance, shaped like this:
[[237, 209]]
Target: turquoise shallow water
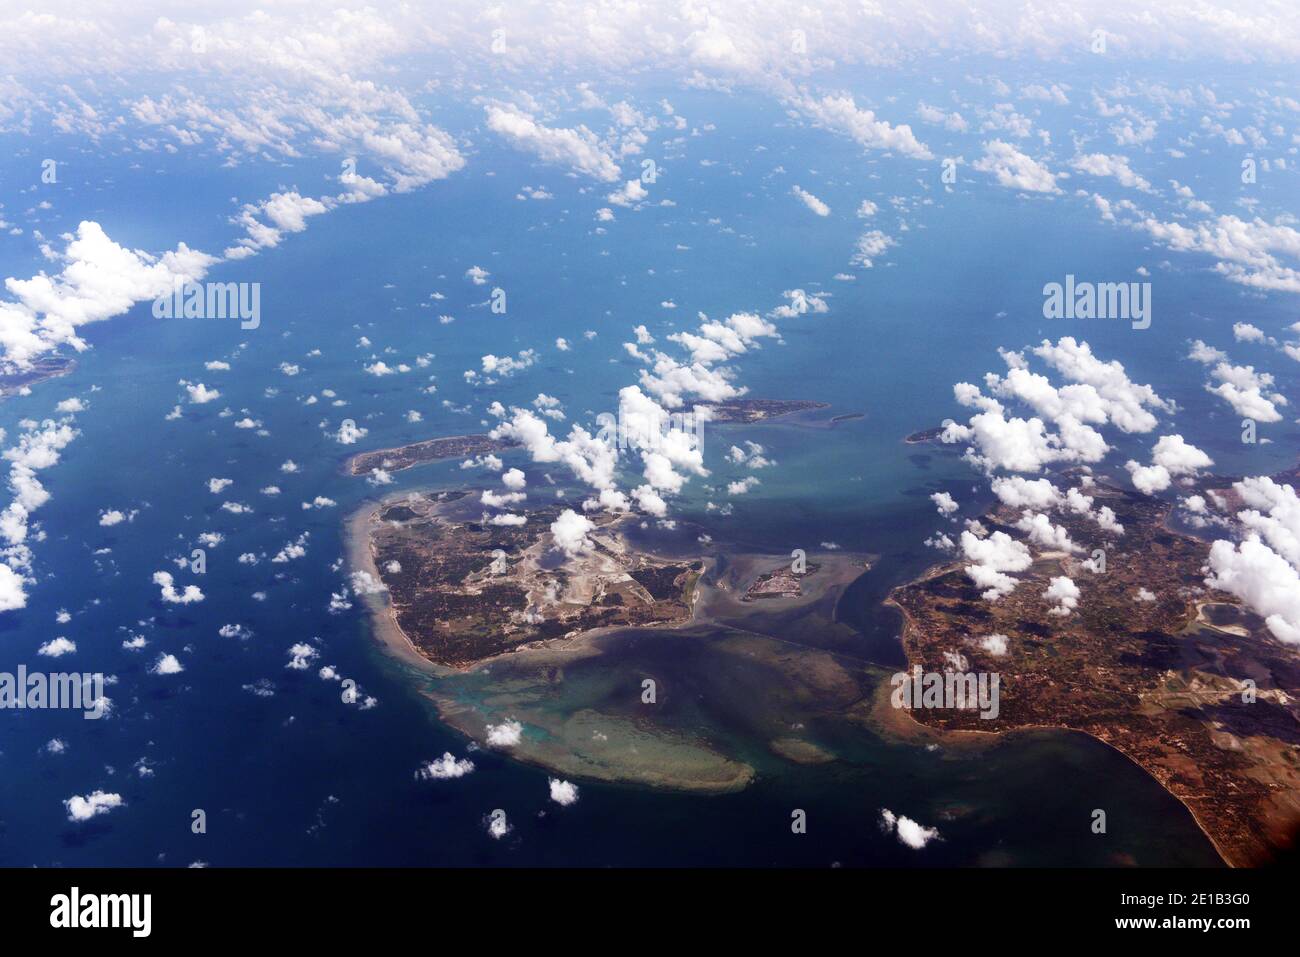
[[300, 776]]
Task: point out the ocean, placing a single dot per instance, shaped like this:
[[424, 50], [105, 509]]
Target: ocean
[[298, 776]]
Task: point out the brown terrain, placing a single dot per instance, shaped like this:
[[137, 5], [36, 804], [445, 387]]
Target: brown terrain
[[924, 436], [748, 411], [1153, 679], [783, 582], [15, 378], [464, 590], [744, 411], [418, 453]]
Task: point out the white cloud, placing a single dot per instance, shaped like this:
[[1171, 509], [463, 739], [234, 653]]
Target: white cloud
[[167, 584], [944, 502], [301, 655], [1148, 479], [909, 832], [994, 557], [166, 665], [811, 201], [57, 648], [1250, 393], [1261, 578], [1263, 570], [506, 734], [994, 644], [570, 533], [629, 194], [841, 114], [444, 768], [1064, 593], [1015, 169], [870, 246], [1102, 164], [99, 280], [576, 147], [81, 808], [563, 792], [1178, 456], [348, 433]]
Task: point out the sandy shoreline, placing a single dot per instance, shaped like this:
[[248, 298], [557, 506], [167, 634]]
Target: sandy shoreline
[[356, 536], [879, 712], [360, 558]]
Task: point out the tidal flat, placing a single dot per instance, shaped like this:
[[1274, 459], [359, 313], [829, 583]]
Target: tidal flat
[[761, 697]]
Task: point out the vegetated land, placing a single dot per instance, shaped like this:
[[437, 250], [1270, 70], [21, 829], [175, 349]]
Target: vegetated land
[[783, 582], [463, 590], [429, 450], [460, 446], [14, 378], [759, 410], [925, 435], [1152, 678]]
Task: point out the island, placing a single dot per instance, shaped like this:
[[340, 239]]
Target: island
[[924, 436], [462, 590], [749, 411], [1170, 673], [739, 411], [15, 377], [428, 450], [783, 582]]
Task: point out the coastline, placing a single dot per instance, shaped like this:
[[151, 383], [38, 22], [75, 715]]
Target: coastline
[[575, 736], [356, 537], [967, 736]]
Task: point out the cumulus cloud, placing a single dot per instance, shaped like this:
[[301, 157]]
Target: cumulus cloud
[[569, 532], [99, 279], [576, 147], [563, 793], [1019, 492], [870, 246], [1178, 456], [1016, 170], [629, 194], [1102, 164], [995, 644], [811, 201], [1064, 594], [167, 584], [57, 648], [1250, 393], [506, 734], [1097, 393], [1263, 570], [301, 655], [908, 832], [349, 433], [444, 768], [1253, 253], [84, 807], [841, 114], [1148, 479], [1040, 530], [944, 502], [993, 557], [166, 665]]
